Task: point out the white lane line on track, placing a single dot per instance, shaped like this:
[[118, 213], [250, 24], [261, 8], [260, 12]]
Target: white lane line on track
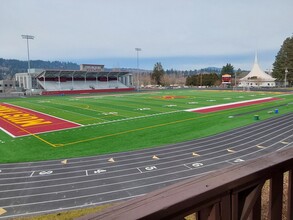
[[161, 163], [108, 192], [254, 152], [187, 167], [71, 207], [152, 177], [32, 174], [247, 154], [181, 148], [169, 148], [139, 170]]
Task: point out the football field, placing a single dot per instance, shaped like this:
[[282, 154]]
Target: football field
[[57, 127]]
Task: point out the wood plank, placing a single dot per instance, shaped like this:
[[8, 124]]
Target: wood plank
[[276, 196], [290, 196], [250, 201], [199, 191]]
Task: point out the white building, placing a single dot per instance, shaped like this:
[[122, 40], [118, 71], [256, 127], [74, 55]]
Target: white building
[[28, 81], [257, 77]]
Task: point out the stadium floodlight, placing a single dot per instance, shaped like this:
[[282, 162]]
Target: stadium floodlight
[[137, 63], [28, 37]]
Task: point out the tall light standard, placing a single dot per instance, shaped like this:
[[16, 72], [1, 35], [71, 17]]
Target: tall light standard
[[28, 37], [235, 80], [286, 72], [137, 62]]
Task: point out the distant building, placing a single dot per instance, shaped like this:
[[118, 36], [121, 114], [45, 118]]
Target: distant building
[[91, 67], [90, 78], [257, 77], [7, 85], [28, 81], [226, 79]]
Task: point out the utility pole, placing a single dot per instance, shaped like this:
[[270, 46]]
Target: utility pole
[[137, 65]]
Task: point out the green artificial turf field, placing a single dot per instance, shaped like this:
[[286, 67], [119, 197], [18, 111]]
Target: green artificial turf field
[[129, 121]]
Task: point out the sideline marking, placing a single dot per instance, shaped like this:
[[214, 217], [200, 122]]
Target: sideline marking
[[20, 121], [215, 108]]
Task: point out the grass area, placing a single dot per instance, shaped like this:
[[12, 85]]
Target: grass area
[[67, 215], [124, 122]]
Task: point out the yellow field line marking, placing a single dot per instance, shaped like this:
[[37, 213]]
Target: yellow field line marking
[[133, 130], [139, 129], [24, 130], [100, 111], [145, 128], [115, 134]]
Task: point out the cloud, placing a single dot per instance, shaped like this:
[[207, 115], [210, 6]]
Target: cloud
[[97, 29]]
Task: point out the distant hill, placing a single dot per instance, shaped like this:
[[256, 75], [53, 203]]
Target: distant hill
[[8, 67]]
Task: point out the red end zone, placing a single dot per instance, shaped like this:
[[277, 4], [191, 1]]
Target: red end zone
[[17, 121], [216, 108]]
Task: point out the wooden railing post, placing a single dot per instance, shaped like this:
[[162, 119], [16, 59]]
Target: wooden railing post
[[232, 193], [226, 207], [250, 202], [290, 196], [276, 196]]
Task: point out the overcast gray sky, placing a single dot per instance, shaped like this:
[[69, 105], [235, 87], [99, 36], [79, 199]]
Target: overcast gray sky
[[179, 33]]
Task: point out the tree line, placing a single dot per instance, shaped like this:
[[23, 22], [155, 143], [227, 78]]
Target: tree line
[[8, 67]]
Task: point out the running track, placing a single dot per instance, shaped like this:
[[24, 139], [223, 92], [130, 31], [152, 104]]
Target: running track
[[50, 186]]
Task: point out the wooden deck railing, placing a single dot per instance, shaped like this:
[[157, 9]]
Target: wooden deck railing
[[233, 193]]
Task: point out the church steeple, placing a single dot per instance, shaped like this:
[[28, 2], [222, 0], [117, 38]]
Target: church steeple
[[255, 58]]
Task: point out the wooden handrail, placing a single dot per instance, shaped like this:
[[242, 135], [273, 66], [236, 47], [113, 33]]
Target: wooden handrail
[[231, 193]]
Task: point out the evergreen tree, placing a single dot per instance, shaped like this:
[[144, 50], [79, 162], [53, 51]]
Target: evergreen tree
[[283, 61], [158, 73], [228, 69]]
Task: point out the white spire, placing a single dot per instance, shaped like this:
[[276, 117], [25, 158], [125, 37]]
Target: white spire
[[255, 57], [257, 73]]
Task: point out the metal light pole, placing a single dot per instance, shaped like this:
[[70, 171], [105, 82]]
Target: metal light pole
[[137, 62], [235, 81], [286, 72], [28, 37]]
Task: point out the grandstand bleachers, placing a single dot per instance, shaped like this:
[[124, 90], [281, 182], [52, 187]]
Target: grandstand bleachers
[[60, 81], [80, 85]]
